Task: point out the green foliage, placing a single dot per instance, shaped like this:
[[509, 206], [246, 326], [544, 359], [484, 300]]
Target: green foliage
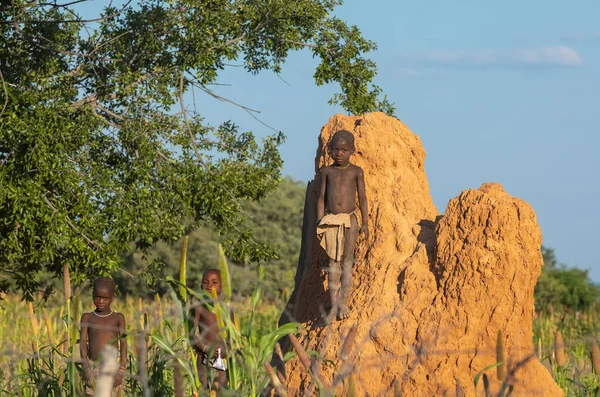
[[574, 383], [24, 372], [98, 149], [276, 220], [563, 288], [249, 346], [577, 376], [249, 349], [225, 275]]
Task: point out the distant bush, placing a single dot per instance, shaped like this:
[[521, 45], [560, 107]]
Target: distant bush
[[562, 288], [276, 221]]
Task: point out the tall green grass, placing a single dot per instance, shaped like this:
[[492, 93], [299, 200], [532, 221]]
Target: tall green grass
[[566, 345], [39, 353], [161, 360]]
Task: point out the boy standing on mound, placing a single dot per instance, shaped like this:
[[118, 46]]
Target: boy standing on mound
[[99, 328], [209, 340], [337, 219]]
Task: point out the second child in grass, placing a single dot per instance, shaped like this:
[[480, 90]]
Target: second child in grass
[[207, 339], [337, 219], [98, 328]]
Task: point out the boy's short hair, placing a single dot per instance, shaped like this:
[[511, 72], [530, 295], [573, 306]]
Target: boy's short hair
[[342, 134], [216, 271], [105, 282]]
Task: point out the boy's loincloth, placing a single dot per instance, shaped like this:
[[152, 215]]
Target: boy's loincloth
[[204, 361], [209, 376], [333, 230], [89, 391]]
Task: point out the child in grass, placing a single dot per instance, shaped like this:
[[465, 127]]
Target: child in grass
[[337, 219], [99, 328], [208, 339]]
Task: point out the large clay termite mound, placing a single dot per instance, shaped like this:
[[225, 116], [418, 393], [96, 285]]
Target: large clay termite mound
[[430, 293]]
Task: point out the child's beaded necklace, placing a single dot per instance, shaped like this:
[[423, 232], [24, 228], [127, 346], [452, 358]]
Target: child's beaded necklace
[[103, 315]]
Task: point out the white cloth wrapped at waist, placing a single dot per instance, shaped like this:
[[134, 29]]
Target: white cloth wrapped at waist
[[333, 230]]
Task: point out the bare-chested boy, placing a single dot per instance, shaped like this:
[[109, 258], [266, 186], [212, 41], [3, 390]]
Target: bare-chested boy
[[99, 328], [208, 339], [337, 219]]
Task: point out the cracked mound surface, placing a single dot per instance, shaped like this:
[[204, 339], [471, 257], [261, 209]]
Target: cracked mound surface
[[430, 292]]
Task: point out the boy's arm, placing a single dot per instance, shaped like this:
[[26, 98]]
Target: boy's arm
[[122, 342], [122, 350], [83, 344], [362, 202], [321, 197], [194, 335]]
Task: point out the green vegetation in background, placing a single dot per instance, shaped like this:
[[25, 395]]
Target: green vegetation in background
[[24, 373], [560, 288], [568, 311], [161, 342], [276, 220], [98, 147]]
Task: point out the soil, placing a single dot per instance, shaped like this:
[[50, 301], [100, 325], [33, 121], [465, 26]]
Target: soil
[[430, 292]]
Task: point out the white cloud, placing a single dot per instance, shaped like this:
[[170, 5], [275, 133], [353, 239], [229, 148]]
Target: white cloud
[[543, 56]]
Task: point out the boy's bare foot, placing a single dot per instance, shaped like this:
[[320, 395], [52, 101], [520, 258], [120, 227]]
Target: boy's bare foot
[[344, 313], [328, 318], [331, 317]]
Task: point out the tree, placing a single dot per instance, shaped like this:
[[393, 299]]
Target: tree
[[98, 148], [276, 220], [563, 288]]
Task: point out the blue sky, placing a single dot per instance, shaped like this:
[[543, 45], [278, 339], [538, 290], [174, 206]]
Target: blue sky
[[504, 92]]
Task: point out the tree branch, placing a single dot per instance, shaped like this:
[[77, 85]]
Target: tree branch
[[75, 228], [80, 66], [54, 5], [51, 48], [220, 98], [229, 42], [92, 98], [110, 113], [106, 121], [5, 94], [300, 43], [6, 22]]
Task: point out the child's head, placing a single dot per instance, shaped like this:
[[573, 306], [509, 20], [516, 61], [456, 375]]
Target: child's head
[[211, 279], [341, 147], [343, 135], [104, 292]]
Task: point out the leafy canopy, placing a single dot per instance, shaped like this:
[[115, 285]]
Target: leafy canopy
[[98, 148], [563, 288], [277, 219]]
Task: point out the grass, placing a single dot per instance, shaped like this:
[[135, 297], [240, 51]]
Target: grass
[[162, 361], [564, 342], [39, 353], [35, 353]]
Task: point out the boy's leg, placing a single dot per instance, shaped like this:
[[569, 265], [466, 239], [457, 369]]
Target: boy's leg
[[117, 391], [222, 379], [334, 274], [89, 390], [347, 266], [202, 371]]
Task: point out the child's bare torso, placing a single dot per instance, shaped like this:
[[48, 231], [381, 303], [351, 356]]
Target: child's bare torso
[[101, 331], [341, 189], [208, 327]]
